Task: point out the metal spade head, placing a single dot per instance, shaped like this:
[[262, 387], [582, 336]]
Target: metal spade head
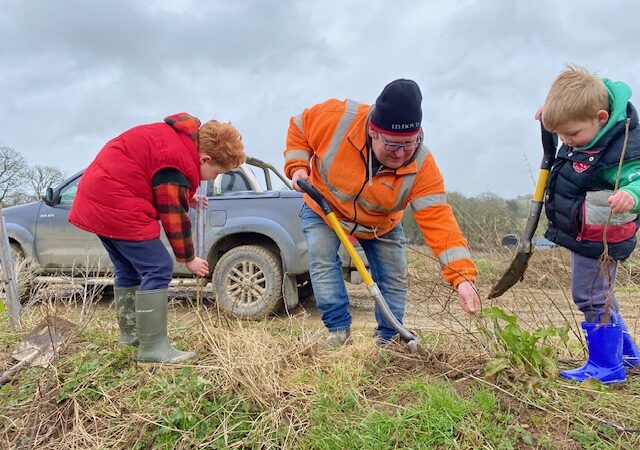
[[43, 344], [513, 274]]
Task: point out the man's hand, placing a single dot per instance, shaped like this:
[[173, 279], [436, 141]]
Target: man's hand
[[199, 267], [621, 202], [300, 174], [469, 299]]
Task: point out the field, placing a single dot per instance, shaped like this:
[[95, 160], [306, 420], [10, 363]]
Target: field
[[271, 385]]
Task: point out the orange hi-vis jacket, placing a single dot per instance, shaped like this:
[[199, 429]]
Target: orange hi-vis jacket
[[328, 140]]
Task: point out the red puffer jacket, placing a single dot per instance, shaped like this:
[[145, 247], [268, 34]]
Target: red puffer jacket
[[115, 196]]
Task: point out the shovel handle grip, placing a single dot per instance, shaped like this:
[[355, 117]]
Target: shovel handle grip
[[549, 147], [316, 196]]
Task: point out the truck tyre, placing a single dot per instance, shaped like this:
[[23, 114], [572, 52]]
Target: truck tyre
[[248, 282], [25, 276]]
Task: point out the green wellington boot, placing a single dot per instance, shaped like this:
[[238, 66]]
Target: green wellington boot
[[125, 298], [151, 317]]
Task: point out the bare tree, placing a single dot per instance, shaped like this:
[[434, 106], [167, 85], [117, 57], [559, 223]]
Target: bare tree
[[13, 173], [42, 177], [17, 198]]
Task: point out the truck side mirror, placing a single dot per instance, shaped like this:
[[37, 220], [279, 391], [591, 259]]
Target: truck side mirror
[[48, 196]]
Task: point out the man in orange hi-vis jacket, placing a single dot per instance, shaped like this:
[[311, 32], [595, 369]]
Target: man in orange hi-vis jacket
[[369, 162]]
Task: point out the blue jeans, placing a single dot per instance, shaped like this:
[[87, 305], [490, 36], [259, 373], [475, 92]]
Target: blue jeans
[[591, 284], [144, 263], [387, 263]]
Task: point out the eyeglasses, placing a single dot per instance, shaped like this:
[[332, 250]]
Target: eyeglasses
[[393, 147]]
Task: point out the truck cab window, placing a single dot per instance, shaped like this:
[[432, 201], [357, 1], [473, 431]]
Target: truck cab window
[[235, 181], [68, 193]]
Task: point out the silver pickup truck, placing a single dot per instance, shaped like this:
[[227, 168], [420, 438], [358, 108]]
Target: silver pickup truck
[[253, 240]]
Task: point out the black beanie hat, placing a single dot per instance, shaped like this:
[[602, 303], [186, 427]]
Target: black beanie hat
[[397, 110]]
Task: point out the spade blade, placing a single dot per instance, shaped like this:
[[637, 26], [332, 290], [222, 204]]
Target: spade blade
[[513, 274]]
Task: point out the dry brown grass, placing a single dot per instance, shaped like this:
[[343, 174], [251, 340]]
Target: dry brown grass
[[262, 363], [272, 369]]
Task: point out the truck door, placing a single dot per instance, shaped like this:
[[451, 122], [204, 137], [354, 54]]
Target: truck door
[[62, 246]]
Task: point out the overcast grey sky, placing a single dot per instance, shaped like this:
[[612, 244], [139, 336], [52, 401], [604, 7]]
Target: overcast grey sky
[[75, 73]]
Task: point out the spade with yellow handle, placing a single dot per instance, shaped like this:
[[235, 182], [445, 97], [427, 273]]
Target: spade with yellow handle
[[381, 304], [516, 270]]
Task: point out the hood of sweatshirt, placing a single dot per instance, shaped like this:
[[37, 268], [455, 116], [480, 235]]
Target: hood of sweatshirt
[[619, 95]]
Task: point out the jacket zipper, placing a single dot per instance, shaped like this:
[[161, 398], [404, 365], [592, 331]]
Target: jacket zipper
[[575, 220], [355, 200]]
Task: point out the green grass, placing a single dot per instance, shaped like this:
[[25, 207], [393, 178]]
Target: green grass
[[194, 412], [360, 397], [420, 414]]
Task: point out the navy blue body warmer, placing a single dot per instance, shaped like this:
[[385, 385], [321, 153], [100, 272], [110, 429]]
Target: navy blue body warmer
[[573, 174]]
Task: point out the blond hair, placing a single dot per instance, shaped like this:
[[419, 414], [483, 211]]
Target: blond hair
[[575, 94], [223, 143]]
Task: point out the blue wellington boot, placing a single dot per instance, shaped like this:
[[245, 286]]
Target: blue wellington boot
[[604, 343], [630, 352]]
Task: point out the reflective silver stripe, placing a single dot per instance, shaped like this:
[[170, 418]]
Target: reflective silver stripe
[[293, 153], [453, 254], [376, 208], [349, 226], [343, 197], [409, 180], [336, 141], [423, 152], [298, 122], [428, 201]]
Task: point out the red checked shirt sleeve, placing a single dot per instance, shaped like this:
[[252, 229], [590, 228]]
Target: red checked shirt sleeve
[[172, 203]]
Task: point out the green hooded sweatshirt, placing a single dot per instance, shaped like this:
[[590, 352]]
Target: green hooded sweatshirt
[[619, 95]]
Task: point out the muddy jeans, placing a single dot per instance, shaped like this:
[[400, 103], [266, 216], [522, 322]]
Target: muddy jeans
[[592, 281], [387, 263]]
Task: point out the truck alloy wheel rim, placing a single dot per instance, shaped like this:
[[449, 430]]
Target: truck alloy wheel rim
[[246, 283]]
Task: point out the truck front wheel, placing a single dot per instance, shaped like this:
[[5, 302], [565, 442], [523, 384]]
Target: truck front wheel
[[25, 275], [248, 282]]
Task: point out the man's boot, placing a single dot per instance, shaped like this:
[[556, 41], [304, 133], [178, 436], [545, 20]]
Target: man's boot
[[125, 298], [630, 352], [604, 344], [151, 316], [337, 339]]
